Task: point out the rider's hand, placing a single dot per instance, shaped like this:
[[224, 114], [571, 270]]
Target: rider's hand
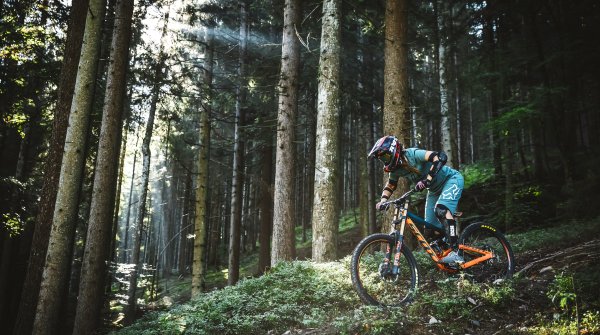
[[421, 185], [382, 206]]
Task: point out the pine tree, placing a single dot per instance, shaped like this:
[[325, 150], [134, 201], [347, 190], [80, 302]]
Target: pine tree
[[98, 241], [325, 206], [237, 184], [283, 247], [52, 165], [55, 276], [202, 180]]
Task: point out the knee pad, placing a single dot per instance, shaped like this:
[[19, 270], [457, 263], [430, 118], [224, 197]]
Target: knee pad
[[440, 212]]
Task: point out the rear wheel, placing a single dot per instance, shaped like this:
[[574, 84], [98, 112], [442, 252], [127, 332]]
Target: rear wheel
[[374, 279], [486, 237]]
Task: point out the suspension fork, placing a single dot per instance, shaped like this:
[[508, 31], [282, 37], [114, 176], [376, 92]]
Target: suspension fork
[[399, 219]]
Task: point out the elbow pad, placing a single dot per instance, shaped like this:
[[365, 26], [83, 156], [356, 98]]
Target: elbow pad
[[391, 186], [437, 165]]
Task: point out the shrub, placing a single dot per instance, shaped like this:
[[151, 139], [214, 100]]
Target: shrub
[[297, 294]]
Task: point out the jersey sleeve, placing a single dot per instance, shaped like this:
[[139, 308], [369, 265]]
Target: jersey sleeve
[[394, 176], [420, 155]]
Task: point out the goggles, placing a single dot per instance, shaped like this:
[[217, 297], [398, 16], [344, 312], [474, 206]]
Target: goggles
[[385, 157]]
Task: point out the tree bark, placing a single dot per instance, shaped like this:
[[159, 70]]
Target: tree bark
[[141, 209], [325, 205], [54, 277], [396, 115], [265, 209], [283, 243], [446, 124], [237, 185], [96, 254], [126, 255], [202, 181], [492, 86], [39, 246], [145, 177], [363, 181]]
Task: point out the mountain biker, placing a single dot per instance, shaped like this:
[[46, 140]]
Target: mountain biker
[[427, 170]]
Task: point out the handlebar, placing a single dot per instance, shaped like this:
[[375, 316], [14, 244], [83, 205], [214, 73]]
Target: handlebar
[[399, 200]]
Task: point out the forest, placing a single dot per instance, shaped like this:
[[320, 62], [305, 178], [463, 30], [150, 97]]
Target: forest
[[200, 166]]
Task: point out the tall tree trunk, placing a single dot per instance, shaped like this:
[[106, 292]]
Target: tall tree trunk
[[371, 174], [184, 214], [202, 181], [145, 177], [492, 86], [284, 242], [141, 209], [538, 123], [37, 256], [237, 185], [325, 204], [311, 136], [54, 277], [126, 255], [96, 255], [265, 209], [363, 181], [443, 61], [366, 137], [396, 114], [117, 211]]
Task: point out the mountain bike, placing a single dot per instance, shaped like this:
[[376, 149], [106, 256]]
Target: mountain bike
[[385, 272]]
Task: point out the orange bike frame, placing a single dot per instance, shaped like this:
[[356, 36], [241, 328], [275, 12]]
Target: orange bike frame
[[485, 255]]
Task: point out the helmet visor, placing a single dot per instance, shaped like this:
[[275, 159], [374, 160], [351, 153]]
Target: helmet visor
[[385, 157]]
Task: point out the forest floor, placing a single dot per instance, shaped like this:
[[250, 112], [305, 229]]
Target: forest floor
[[554, 265], [529, 308]]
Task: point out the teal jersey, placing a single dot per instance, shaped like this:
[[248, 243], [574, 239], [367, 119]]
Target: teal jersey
[[416, 158]]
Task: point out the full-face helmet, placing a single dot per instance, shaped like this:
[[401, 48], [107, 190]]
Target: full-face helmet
[[388, 150]]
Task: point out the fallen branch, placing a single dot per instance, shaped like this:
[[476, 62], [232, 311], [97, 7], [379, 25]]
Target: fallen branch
[[587, 249]]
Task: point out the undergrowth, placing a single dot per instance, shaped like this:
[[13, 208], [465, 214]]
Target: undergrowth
[[292, 295], [305, 295], [557, 236]]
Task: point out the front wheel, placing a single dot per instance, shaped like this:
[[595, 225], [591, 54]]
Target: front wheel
[[374, 278], [486, 237]]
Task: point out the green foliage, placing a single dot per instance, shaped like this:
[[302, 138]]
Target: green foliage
[[455, 297], [590, 324], [301, 295], [531, 204], [15, 213], [562, 235], [580, 197], [562, 293], [575, 296], [587, 282], [25, 41], [372, 320], [347, 221], [478, 173], [514, 118], [12, 223], [298, 294]]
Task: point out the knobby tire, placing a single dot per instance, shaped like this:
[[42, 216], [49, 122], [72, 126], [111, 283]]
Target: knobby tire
[[487, 237], [376, 286]]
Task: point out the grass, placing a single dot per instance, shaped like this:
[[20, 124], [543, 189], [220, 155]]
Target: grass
[[305, 295], [294, 294], [347, 222], [557, 236]]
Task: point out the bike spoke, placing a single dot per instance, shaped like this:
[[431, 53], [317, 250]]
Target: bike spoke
[[497, 267], [377, 276]]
